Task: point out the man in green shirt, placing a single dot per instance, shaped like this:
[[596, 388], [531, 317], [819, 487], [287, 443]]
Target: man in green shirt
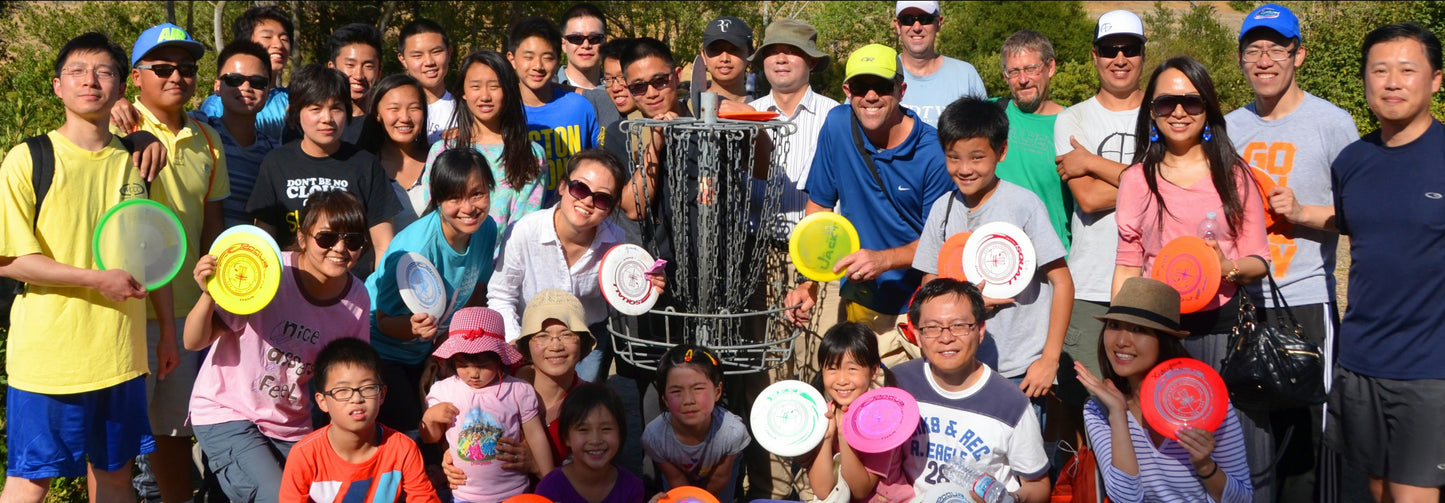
[[1028, 66]]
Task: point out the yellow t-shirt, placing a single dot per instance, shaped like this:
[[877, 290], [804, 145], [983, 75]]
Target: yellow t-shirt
[[67, 340], [195, 173]]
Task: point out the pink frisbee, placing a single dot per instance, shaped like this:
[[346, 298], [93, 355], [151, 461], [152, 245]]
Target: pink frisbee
[[880, 420]]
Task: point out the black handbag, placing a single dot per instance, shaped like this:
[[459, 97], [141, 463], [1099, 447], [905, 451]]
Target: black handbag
[[1268, 364]]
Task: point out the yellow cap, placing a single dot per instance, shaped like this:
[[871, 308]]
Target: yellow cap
[[873, 59]]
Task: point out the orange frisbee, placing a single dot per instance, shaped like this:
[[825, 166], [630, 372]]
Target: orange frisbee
[[950, 257], [1273, 223], [527, 498], [1192, 267], [688, 494]]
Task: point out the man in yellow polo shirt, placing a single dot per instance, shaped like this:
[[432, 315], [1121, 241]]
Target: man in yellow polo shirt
[[194, 184], [76, 351]]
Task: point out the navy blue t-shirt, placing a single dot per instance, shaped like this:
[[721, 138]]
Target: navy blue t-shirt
[[914, 175], [1391, 202]]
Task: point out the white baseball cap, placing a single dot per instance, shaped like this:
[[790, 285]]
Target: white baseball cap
[[929, 7], [1119, 22]]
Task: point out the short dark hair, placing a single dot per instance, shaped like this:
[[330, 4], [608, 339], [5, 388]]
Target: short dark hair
[[354, 33], [1398, 31], [643, 48], [586, 398], [970, 117], [344, 351], [243, 48], [849, 338], [313, 84], [534, 27], [93, 42], [1261, 33], [583, 10], [607, 160], [704, 359], [451, 170], [245, 25], [613, 49], [946, 286], [419, 27], [342, 209]]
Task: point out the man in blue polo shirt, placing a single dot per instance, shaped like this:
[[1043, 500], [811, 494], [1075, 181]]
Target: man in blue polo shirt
[[886, 200]]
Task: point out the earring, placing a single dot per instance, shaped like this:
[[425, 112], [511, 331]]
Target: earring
[[1153, 134], [1207, 135]]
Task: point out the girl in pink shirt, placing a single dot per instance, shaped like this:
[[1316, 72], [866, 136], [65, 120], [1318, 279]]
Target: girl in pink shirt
[[250, 401]]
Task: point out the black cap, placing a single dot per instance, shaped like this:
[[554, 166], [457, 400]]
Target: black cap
[[731, 29]]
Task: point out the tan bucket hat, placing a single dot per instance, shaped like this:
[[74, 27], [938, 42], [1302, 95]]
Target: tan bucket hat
[[1148, 303], [797, 34]]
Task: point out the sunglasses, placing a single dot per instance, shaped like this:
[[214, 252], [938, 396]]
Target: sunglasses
[[578, 39], [659, 82], [236, 79], [164, 70], [860, 87], [1165, 104], [1112, 51], [909, 19], [327, 239], [580, 191]]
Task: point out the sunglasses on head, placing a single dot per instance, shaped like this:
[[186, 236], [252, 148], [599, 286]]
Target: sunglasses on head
[[659, 82], [236, 79], [578, 39], [327, 239], [580, 191], [1112, 51], [860, 87], [925, 18], [1165, 104], [164, 70]]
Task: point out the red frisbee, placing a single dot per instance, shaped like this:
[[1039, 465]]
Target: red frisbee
[[749, 116], [1272, 223], [1183, 392], [1192, 267], [950, 257], [527, 498]]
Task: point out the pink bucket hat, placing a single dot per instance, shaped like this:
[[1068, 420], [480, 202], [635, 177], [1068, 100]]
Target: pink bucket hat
[[478, 330]]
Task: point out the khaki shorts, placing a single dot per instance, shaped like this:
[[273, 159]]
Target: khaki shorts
[[168, 400]]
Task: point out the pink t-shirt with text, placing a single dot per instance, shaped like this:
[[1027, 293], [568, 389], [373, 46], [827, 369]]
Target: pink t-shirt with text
[[483, 416], [258, 368]]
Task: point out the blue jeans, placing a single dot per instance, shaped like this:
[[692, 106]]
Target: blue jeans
[[594, 366]]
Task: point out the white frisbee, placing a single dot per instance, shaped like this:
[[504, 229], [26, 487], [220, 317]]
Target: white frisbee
[[1000, 258], [788, 418], [420, 285], [622, 277]]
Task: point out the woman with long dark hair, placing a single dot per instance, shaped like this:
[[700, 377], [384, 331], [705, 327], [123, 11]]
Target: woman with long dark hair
[[395, 130], [490, 118], [1187, 172]]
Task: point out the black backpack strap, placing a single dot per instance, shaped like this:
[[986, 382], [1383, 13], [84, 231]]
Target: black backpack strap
[[42, 169]]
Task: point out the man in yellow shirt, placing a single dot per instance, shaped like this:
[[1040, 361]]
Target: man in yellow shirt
[[76, 354], [193, 184]]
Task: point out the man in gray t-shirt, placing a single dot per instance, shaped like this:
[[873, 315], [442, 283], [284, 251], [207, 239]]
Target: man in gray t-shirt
[[1291, 137]]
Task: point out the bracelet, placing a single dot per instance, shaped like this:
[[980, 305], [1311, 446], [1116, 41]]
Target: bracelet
[[1211, 472], [1233, 275]]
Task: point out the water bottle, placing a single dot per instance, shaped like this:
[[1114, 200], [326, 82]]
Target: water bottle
[[1209, 227], [989, 489]]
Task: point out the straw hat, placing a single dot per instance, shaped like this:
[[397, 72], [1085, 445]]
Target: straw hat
[[1148, 303]]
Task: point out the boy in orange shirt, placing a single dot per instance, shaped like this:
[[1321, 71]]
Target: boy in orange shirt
[[353, 454]]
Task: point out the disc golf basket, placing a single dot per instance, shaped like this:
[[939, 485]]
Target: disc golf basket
[[711, 218]]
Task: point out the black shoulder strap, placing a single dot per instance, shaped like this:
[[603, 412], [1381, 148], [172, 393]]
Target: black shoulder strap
[[42, 169], [868, 161]]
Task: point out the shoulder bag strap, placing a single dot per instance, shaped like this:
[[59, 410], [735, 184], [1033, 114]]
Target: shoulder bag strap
[[868, 161]]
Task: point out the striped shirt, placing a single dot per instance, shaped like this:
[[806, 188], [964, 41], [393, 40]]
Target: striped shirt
[[1165, 473], [798, 156]]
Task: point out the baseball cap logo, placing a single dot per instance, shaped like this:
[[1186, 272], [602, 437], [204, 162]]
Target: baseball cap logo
[[169, 34], [1106, 27], [1266, 14], [866, 59], [723, 24]]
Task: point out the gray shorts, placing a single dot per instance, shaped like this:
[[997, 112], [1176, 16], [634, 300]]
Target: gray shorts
[[168, 400], [1390, 429], [247, 462]]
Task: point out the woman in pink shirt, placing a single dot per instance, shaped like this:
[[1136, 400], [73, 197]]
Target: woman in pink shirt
[[1187, 169]]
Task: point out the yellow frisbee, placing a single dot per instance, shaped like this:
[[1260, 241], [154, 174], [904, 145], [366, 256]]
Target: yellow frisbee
[[819, 241], [248, 272]]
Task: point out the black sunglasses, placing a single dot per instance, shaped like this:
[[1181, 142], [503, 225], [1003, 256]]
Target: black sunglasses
[[1112, 51], [1164, 104], [906, 20], [164, 70], [860, 87], [327, 239], [578, 39], [580, 191], [659, 82], [236, 79]]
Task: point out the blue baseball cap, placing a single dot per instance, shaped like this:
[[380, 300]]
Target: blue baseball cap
[[1274, 17], [165, 35]]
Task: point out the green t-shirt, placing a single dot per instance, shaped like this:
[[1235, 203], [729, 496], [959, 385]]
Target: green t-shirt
[[1030, 164]]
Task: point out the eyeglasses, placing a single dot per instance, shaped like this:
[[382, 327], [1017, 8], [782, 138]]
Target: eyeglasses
[[1165, 104], [860, 87], [567, 338], [614, 80], [957, 329], [80, 70], [580, 191], [164, 70], [1031, 70], [659, 82], [328, 239], [1252, 54], [236, 79], [1112, 51], [578, 38], [909, 19], [344, 393]]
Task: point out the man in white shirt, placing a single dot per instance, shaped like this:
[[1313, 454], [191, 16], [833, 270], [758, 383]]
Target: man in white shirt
[[934, 80]]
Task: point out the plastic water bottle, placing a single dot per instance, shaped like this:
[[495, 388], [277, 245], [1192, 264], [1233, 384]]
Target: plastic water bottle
[[989, 489], [1209, 227]]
